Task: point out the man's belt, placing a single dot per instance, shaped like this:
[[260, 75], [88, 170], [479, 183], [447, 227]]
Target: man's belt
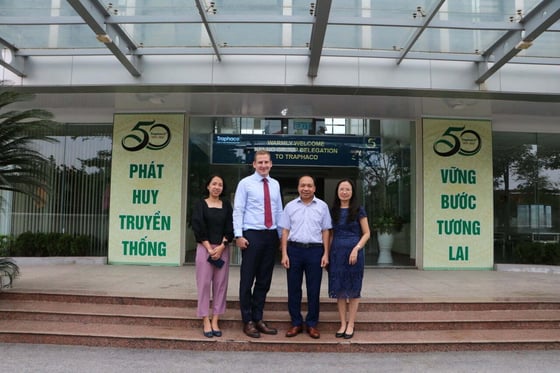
[[304, 245]]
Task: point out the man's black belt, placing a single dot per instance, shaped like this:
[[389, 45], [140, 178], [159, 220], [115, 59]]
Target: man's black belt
[[304, 245]]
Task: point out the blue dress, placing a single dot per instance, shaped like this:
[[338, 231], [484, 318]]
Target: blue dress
[[345, 280]]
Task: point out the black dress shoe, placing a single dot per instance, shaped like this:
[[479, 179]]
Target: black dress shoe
[[263, 328], [217, 333], [251, 331], [341, 334]]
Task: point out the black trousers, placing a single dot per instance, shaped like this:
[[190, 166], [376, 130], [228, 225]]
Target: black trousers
[[257, 265]]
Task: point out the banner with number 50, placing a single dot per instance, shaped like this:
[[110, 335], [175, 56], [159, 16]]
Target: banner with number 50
[[146, 202], [458, 194]]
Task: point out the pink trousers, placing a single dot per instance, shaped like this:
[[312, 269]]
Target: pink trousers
[[211, 283]]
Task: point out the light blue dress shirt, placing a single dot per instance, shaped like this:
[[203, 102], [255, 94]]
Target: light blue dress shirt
[[248, 204], [306, 222]]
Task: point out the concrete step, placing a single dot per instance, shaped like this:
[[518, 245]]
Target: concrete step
[[390, 326], [142, 336], [280, 303], [367, 320]]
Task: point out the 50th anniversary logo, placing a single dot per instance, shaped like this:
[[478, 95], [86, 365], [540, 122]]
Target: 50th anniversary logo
[[458, 140], [147, 134]]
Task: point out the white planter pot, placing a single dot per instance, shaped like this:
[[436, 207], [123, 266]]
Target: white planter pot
[[385, 241]]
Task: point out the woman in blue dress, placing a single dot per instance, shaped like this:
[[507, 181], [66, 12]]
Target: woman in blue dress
[[346, 263]]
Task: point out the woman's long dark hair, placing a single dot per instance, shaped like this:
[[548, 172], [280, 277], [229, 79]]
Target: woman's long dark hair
[[353, 207], [209, 180]]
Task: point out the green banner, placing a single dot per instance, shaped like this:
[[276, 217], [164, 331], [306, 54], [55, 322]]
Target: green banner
[[458, 194], [146, 216]]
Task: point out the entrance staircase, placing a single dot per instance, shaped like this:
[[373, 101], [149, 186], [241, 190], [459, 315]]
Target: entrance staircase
[[408, 326]]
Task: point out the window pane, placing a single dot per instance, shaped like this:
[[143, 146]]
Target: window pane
[[526, 191], [77, 198]]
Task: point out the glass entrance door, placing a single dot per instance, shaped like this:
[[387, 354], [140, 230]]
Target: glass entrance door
[[374, 153]]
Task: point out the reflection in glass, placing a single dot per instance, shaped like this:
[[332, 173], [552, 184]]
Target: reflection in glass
[[526, 191], [77, 199], [354, 140]]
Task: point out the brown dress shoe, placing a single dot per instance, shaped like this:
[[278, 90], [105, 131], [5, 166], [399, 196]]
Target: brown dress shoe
[[251, 331], [294, 330], [313, 332], [263, 328]]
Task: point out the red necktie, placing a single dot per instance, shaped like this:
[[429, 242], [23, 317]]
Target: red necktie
[[267, 208]]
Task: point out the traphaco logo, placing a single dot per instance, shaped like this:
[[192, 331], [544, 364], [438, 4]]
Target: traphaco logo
[[457, 140], [147, 134]]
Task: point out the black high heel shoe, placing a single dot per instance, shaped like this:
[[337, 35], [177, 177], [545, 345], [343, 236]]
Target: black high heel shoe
[[216, 333], [209, 334], [348, 335], [340, 334]]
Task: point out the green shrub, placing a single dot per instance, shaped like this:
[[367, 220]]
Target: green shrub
[[537, 253], [6, 245], [552, 256], [64, 245], [80, 245], [26, 245], [50, 244]]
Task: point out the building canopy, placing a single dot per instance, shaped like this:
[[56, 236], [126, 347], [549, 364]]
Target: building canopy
[[487, 33]]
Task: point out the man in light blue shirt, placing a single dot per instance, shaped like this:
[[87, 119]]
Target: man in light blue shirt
[[305, 224], [258, 240]]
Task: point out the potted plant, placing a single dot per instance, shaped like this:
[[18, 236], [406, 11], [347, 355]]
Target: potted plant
[[388, 223]]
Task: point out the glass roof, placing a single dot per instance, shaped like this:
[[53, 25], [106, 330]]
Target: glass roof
[[488, 31]]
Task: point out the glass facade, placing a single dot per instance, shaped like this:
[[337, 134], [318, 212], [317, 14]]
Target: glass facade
[[233, 66], [526, 191], [379, 162], [526, 179], [76, 201]]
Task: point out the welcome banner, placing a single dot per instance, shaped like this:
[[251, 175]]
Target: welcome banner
[[146, 216], [458, 194]]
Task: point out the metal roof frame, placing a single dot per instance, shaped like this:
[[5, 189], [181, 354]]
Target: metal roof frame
[[108, 29], [17, 62], [202, 13], [536, 22], [322, 11], [95, 14], [431, 14]]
